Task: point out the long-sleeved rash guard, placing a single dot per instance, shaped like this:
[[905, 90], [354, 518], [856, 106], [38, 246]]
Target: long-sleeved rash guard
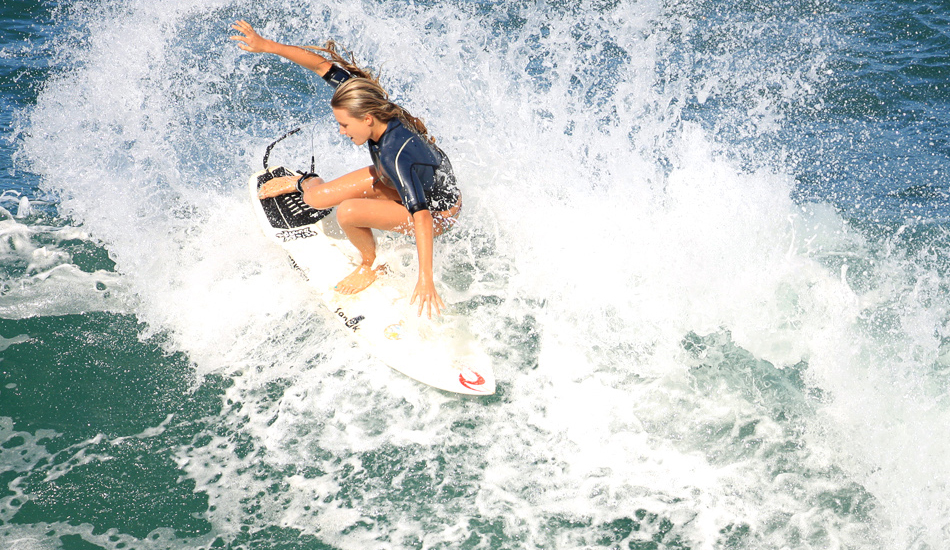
[[405, 161]]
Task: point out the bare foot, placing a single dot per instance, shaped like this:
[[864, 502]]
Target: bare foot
[[277, 186], [360, 279]]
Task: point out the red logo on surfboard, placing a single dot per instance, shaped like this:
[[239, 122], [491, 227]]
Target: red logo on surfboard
[[469, 383]]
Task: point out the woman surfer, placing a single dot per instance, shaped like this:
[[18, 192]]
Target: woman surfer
[[410, 188]]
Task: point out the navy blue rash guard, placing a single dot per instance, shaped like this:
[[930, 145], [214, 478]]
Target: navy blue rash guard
[[408, 163]]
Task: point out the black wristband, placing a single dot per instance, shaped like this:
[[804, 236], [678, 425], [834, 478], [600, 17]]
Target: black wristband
[[303, 177]]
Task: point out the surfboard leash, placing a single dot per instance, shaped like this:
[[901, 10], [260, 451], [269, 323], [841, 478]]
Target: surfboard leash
[[278, 140]]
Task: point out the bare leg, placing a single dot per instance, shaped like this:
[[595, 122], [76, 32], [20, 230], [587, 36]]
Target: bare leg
[[358, 218], [361, 207]]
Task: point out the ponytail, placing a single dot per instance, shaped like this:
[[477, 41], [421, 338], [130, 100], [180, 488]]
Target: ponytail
[[348, 62], [363, 95]]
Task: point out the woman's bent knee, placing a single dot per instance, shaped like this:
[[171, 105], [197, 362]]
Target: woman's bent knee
[[348, 212]]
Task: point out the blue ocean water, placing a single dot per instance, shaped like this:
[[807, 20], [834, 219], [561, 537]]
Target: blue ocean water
[[704, 242]]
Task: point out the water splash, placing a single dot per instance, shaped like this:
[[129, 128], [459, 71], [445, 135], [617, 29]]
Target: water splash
[[687, 355]]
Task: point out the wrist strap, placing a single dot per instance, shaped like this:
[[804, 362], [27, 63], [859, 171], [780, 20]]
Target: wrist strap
[[302, 177]]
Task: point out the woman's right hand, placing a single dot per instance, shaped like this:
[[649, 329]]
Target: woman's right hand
[[253, 42], [277, 186]]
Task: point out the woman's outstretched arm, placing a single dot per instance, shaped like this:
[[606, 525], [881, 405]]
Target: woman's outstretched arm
[[255, 43]]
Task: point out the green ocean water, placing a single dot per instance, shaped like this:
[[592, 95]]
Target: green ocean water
[[764, 363], [90, 411]]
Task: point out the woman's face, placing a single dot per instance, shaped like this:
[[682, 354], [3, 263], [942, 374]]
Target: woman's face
[[357, 129]]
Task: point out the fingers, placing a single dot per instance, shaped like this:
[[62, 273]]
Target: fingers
[[244, 27], [428, 303], [428, 300], [422, 301], [422, 304], [434, 303]]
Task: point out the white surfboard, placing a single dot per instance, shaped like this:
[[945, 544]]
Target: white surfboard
[[435, 352]]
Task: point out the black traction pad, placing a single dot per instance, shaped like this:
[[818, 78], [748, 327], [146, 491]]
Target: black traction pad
[[287, 211]]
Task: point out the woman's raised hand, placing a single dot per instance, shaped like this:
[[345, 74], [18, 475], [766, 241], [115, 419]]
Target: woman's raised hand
[[253, 42]]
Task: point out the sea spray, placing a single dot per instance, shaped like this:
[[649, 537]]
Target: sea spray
[[687, 355]]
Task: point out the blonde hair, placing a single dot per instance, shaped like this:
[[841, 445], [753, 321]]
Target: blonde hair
[[363, 95]]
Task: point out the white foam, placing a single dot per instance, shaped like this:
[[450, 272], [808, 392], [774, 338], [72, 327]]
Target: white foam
[[600, 230], [45, 281]]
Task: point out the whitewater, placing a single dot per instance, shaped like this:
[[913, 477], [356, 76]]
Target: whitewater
[[717, 309]]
